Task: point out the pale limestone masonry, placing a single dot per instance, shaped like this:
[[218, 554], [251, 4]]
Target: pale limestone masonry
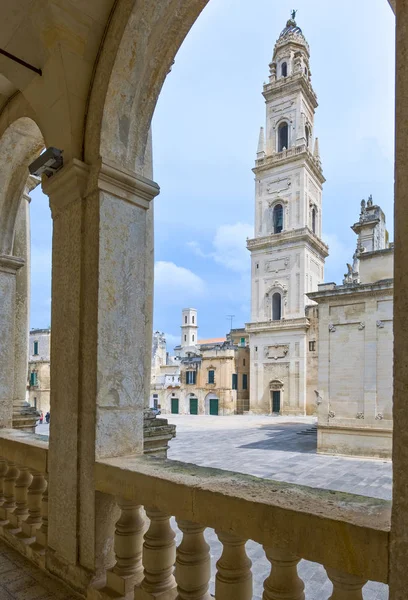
[[287, 252], [355, 364], [98, 70]]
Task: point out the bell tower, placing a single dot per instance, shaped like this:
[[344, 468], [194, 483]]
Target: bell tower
[[287, 252]]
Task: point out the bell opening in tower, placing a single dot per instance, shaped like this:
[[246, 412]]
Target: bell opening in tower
[[283, 138], [278, 218]]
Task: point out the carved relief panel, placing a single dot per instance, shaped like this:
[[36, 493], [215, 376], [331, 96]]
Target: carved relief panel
[[276, 351]]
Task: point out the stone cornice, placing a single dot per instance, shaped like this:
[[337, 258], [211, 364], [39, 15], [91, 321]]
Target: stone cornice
[[282, 325], [292, 235], [78, 180], [293, 154], [10, 264], [290, 84], [366, 289], [126, 184]]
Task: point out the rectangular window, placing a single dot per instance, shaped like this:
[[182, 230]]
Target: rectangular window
[[243, 362], [234, 381], [191, 377], [243, 342], [33, 378], [312, 346], [244, 381], [210, 376], [35, 349]]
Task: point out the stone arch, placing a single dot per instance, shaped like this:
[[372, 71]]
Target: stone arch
[[20, 143], [210, 396], [129, 77]]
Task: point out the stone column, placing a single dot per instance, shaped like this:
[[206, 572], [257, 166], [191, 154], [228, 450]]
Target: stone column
[[98, 351], [9, 265], [24, 416], [399, 520]]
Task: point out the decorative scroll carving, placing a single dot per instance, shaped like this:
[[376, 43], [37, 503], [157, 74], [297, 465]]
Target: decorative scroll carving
[[379, 416], [380, 324], [332, 328], [361, 326], [277, 351], [360, 415], [331, 414]]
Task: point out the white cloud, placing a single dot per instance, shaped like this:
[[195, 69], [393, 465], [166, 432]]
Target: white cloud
[[229, 247], [172, 341], [172, 279]]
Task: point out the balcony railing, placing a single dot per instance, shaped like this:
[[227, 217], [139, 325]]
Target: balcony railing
[[347, 534]]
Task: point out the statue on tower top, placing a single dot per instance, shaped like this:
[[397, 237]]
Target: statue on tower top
[[293, 14]]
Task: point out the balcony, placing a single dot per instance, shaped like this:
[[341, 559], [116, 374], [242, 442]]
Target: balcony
[[347, 534]]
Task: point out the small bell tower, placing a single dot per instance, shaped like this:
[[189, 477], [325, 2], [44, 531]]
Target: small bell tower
[[189, 327]]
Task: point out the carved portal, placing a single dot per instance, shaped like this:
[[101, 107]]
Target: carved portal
[[275, 385], [277, 351]]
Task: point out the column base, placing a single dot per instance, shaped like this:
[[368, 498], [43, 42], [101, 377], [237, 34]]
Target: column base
[[156, 433], [25, 417]]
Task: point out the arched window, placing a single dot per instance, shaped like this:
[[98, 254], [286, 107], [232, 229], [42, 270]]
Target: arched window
[[314, 220], [278, 218], [283, 137], [284, 69], [307, 135], [276, 307]]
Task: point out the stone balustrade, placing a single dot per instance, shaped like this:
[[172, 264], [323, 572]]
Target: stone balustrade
[[347, 534], [23, 492]]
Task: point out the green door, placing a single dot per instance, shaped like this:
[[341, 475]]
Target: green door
[[213, 406], [276, 401], [174, 406], [193, 406]]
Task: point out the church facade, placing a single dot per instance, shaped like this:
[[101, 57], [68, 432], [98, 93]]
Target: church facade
[[287, 252]]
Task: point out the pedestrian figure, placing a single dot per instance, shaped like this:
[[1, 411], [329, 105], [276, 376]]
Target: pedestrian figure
[[47, 417]]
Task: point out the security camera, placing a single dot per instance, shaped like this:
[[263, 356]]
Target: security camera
[[49, 162]]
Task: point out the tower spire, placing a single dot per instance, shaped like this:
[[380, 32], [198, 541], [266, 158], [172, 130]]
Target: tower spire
[[261, 144]]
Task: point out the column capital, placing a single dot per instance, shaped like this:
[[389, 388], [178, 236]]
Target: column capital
[[10, 264], [31, 184], [66, 186], [122, 183]]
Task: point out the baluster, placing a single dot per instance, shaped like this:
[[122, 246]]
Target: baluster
[[346, 586], [283, 582], [128, 570], [233, 580], [42, 533], [21, 486], [193, 564], [9, 503], [3, 471], [159, 555], [34, 497]]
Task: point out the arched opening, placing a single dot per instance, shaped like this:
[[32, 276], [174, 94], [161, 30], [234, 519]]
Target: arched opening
[[307, 135], [314, 220], [278, 218], [276, 307], [283, 137], [20, 144], [284, 69]]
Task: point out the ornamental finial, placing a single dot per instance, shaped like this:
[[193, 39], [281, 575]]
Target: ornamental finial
[[293, 14]]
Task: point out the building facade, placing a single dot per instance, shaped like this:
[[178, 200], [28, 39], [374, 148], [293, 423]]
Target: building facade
[[209, 376], [39, 369], [355, 362], [287, 252]]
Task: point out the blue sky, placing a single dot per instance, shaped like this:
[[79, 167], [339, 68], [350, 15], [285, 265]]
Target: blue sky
[[205, 133]]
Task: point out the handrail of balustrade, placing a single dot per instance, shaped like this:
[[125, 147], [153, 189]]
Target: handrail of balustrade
[[24, 448], [342, 531]]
